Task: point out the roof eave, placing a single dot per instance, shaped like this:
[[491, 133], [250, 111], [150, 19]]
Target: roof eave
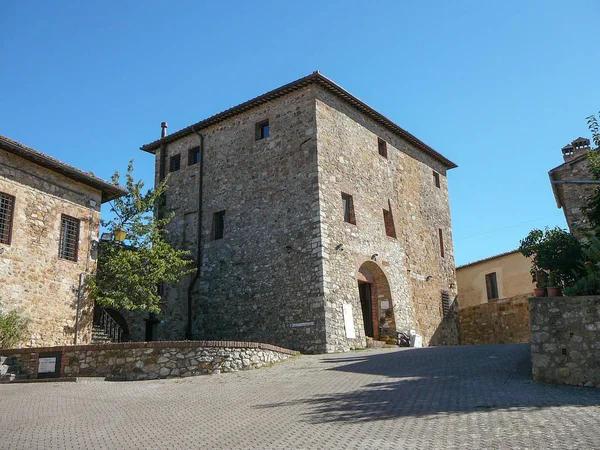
[[316, 78]]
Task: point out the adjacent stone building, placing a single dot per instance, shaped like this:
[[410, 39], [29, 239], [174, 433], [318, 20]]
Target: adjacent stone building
[[321, 223], [572, 183], [49, 222]]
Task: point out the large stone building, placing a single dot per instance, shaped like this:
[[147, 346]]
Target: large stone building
[[320, 221], [572, 183], [49, 221]]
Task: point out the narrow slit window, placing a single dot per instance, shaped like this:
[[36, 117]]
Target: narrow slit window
[[218, 225], [68, 245], [491, 285], [441, 234], [436, 179], [193, 156], [7, 207], [175, 163], [382, 146], [262, 130], [348, 206], [388, 220]]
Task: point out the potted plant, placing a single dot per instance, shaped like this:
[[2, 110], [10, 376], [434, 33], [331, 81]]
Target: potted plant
[[554, 286], [540, 278]]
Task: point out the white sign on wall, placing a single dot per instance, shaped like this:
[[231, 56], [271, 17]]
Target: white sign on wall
[[384, 304], [349, 321], [47, 365]]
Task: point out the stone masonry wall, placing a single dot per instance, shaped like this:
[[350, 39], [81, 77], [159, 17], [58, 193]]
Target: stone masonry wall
[[573, 196], [263, 276], [33, 278], [350, 163], [153, 360], [504, 321], [565, 340]]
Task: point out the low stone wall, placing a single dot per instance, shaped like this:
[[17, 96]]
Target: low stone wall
[[504, 321], [565, 340], [151, 360]]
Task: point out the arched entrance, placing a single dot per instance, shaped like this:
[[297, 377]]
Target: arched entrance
[[375, 301]]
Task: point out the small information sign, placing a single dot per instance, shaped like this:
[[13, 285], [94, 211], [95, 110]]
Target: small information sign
[[302, 324], [49, 365]]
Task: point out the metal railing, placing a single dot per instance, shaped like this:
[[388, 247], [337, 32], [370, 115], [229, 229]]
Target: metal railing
[[104, 320]]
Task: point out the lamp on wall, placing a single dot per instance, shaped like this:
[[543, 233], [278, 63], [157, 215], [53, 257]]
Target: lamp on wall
[[120, 235], [374, 256], [429, 277], [340, 247]]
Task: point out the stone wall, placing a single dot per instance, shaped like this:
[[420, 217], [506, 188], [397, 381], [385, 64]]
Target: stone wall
[[263, 276], [33, 278], [504, 321], [152, 360], [565, 340], [412, 265]]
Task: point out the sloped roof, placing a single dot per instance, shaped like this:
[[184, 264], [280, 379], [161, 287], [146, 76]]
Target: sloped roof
[[487, 259], [109, 190], [314, 78]]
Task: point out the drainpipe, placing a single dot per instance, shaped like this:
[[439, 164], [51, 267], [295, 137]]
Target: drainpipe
[[196, 278]]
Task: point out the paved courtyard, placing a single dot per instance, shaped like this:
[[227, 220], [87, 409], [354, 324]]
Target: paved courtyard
[[445, 397]]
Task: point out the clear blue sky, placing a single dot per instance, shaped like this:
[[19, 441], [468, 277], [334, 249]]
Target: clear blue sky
[[498, 87]]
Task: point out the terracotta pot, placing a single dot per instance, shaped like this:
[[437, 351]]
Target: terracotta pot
[[554, 292], [539, 292]]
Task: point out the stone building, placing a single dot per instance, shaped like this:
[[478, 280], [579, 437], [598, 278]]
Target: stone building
[[321, 223], [49, 221], [572, 182]]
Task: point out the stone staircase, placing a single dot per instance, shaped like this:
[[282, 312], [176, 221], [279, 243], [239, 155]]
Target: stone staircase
[[10, 370], [372, 343]]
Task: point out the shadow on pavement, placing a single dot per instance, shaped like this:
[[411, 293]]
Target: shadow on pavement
[[415, 382]]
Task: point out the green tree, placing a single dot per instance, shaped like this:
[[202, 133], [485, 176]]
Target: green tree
[[554, 252], [128, 273], [591, 207]]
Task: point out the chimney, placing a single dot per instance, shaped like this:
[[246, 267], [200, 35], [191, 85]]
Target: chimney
[[576, 148], [163, 131]]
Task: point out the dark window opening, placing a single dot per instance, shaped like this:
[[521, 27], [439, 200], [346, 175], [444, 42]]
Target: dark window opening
[[491, 284], [7, 206], [441, 242], [382, 145], [388, 219], [69, 238], [445, 303], [175, 163], [436, 179], [262, 130], [218, 225], [193, 156], [348, 205]]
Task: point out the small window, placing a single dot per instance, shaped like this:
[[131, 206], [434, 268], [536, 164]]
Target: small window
[[445, 303], [388, 219], [69, 238], [7, 207], [218, 225], [193, 156], [441, 233], [436, 179], [348, 206], [491, 284], [262, 130], [382, 145], [175, 163]]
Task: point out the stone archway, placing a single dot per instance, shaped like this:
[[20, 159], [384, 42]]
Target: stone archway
[[376, 301]]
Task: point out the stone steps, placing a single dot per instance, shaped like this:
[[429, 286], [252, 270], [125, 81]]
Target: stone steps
[[99, 336], [372, 343]]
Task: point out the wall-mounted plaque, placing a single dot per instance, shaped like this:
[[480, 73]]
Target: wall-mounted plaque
[[384, 304], [49, 365], [349, 321]]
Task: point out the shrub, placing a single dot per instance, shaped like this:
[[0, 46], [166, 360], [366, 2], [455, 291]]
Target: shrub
[[13, 327]]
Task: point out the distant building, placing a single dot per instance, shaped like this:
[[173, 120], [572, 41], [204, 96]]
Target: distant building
[[49, 222], [572, 183], [320, 221], [497, 277]]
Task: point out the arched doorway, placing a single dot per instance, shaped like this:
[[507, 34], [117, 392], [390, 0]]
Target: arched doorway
[[375, 301]]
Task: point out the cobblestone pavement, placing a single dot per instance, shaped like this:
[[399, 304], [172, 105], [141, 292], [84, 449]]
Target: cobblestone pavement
[[445, 397]]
